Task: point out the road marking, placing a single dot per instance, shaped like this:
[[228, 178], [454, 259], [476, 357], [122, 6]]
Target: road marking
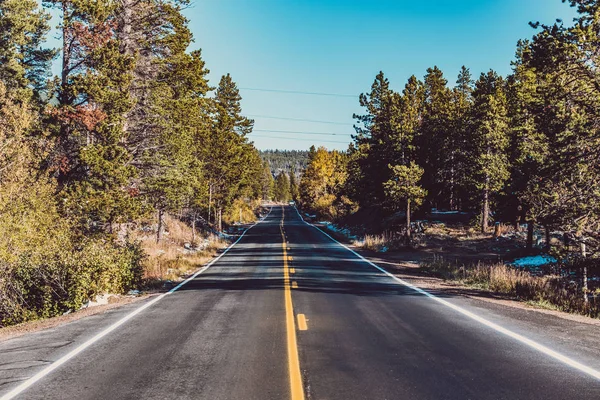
[[302, 322], [520, 338], [46, 371], [292, 270], [294, 285], [296, 388]]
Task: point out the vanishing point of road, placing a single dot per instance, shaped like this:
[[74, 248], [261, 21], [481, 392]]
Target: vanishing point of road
[[288, 313]]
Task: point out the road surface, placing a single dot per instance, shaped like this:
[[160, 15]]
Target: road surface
[[287, 313]]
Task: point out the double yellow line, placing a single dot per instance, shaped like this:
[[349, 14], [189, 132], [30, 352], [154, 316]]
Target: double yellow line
[[297, 389]]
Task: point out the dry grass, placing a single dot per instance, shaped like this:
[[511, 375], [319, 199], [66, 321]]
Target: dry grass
[[549, 291], [373, 242], [176, 256]]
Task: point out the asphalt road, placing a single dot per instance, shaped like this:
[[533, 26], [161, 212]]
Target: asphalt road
[[359, 334]]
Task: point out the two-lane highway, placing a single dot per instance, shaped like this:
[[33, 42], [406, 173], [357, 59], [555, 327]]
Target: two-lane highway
[[289, 313]]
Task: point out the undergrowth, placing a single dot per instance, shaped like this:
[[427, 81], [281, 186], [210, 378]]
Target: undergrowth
[[549, 291]]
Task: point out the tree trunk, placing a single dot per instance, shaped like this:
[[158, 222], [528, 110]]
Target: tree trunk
[[193, 228], [160, 225], [220, 226], [452, 205], [209, 201], [497, 229], [584, 272], [529, 244], [65, 52], [485, 209], [408, 233]]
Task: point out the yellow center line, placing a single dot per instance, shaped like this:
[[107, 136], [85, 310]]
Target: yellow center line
[[297, 390], [292, 270], [294, 285]]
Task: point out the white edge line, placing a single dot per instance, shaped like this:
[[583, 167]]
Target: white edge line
[[539, 347], [29, 382]]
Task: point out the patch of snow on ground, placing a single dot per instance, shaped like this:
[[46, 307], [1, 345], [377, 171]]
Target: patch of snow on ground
[[534, 261], [337, 229]]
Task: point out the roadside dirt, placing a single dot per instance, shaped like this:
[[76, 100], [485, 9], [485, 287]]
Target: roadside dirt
[[11, 332]]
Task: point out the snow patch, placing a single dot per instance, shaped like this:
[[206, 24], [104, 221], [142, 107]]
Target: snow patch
[[534, 261], [334, 228]]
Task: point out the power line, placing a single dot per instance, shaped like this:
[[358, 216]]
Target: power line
[[300, 92], [302, 132], [302, 139], [300, 120]]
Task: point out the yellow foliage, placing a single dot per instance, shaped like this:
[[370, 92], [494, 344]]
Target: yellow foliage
[[322, 183]]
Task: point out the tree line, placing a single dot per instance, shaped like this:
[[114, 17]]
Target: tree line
[[285, 160], [524, 148], [130, 129]]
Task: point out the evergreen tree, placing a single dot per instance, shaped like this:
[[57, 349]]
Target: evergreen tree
[[490, 168], [92, 164], [435, 142], [458, 167], [372, 146], [404, 189], [227, 147], [24, 62], [267, 182], [293, 185], [281, 192]]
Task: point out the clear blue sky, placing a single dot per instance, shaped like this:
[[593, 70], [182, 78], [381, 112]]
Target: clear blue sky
[[338, 46]]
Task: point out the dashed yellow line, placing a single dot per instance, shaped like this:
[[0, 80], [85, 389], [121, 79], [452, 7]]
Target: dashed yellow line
[[292, 270], [296, 387], [294, 285], [302, 322]]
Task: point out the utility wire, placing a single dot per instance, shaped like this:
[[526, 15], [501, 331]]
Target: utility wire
[[303, 133], [303, 139], [300, 120], [300, 92]]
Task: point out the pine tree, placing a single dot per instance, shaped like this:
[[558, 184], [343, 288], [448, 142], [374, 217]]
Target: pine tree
[[227, 146], [435, 143], [293, 185], [281, 192], [92, 164], [490, 168], [267, 182], [529, 146], [563, 193], [404, 188], [24, 62], [372, 148], [462, 101]]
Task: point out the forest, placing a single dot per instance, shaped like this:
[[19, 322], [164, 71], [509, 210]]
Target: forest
[[523, 149], [287, 161], [129, 133]]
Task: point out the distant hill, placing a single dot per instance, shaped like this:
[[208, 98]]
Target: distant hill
[[285, 160]]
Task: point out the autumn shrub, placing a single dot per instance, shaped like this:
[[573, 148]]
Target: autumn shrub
[[247, 208]]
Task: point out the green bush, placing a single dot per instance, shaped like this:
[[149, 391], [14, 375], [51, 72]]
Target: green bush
[[65, 281]]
